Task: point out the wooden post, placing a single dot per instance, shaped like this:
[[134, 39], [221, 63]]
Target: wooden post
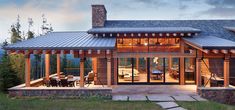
[[47, 66], [94, 68], [27, 70], [109, 72], [82, 72], [115, 70], [198, 72], [58, 65], [137, 63], [170, 62], [226, 72], [182, 81]]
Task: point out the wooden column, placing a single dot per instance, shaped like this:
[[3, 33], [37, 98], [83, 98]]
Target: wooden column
[[226, 72], [137, 63], [27, 70], [198, 72], [58, 65], [94, 68], [170, 62], [182, 81], [47, 66], [109, 77], [115, 70], [82, 70]]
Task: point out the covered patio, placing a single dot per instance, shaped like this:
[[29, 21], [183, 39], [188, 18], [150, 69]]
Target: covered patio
[[79, 44]]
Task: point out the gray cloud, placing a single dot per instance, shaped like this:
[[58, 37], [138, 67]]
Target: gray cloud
[[220, 8]]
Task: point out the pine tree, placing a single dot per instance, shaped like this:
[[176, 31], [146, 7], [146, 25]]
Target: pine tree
[[8, 77]]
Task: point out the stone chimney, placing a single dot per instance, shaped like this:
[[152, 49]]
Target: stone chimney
[[98, 15]]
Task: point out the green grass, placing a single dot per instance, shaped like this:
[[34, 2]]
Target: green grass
[[72, 104], [208, 105]]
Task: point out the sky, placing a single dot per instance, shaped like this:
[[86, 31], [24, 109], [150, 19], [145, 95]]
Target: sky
[[75, 15]]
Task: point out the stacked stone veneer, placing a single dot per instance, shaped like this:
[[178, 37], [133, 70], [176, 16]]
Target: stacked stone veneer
[[62, 93], [218, 94], [99, 15]]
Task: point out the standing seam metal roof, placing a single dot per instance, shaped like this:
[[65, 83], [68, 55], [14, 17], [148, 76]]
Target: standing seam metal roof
[[65, 40]]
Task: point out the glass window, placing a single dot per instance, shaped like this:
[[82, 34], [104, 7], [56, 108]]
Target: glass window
[[172, 70], [124, 70], [156, 69], [190, 70]]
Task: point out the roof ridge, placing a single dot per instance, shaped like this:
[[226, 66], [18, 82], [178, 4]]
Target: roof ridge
[[177, 20], [67, 31]]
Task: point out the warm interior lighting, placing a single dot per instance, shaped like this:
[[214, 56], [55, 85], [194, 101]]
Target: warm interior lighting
[[145, 44]]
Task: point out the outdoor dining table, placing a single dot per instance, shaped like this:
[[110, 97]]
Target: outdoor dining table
[[157, 73], [74, 79]]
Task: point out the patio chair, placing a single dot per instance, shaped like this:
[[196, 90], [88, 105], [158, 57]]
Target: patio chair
[[64, 82], [46, 82], [90, 77], [53, 82], [70, 81]]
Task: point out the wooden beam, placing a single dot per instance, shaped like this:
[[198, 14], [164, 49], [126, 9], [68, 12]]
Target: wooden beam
[[232, 51], [215, 51], [109, 77], [27, 70], [47, 66], [226, 72], [224, 51], [206, 51], [182, 79]]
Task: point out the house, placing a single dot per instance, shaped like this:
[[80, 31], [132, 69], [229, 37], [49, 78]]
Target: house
[[179, 52]]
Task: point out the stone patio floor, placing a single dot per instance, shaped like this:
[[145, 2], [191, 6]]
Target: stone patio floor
[[163, 95]]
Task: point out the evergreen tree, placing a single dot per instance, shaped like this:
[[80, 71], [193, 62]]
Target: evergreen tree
[[8, 77], [17, 61]]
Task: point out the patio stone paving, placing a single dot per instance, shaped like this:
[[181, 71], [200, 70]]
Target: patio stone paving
[[120, 97], [167, 105], [137, 98], [160, 98], [183, 98], [198, 98], [177, 108]]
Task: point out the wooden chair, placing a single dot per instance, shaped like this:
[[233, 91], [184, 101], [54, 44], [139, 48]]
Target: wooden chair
[[46, 82], [64, 83], [53, 82]]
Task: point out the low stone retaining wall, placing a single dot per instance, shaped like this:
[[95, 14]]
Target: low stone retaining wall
[[62, 93], [218, 94]]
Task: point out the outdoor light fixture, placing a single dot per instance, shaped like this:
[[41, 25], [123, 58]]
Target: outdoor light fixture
[[145, 44]]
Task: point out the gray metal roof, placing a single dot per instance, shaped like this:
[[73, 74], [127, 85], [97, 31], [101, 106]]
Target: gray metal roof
[[65, 40], [210, 42], [142, 30], [207, 27]]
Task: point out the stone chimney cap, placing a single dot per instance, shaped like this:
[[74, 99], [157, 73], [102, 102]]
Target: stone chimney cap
[[99, 5]]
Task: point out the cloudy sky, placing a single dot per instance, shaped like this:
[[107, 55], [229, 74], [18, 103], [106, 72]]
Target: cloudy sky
[[72, 15]]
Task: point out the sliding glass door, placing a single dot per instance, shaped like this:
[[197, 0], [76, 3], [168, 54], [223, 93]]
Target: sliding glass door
[[153, 70]]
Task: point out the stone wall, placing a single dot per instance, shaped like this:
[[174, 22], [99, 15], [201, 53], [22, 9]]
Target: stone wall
[[61, 93], [98, 15], [218, 94]]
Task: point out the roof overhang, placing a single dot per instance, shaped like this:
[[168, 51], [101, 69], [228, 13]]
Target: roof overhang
[[143, 30], [65, 41], [209, 42]]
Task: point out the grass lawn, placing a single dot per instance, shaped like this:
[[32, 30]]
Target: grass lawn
[[208, 105], [72, 104]]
